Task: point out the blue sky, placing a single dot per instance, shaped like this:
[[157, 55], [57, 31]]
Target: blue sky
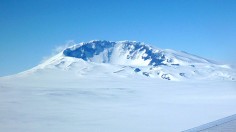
[[31, 29]]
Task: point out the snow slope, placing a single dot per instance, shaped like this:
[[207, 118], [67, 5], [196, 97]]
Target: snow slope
[[104, 86]]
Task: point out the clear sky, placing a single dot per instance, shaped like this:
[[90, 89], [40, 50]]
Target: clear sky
[[31, 29]]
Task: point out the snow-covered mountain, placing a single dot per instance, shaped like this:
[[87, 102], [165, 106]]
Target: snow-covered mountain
[[131, 58], [117, 87]]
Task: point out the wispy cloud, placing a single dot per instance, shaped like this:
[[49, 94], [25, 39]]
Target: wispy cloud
[[58, 49]]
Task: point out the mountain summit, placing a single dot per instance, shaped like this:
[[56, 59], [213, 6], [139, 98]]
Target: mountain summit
[[128, 53], [131, 58]]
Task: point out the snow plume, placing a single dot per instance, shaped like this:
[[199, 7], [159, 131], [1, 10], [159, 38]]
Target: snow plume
[[58, 49]]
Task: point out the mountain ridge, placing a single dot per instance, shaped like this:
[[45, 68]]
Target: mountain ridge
[[156, 56]]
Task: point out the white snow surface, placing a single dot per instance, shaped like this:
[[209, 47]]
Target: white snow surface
[[56, 100], [117, 89]]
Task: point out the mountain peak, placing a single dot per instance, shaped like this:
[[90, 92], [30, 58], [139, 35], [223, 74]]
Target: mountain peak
[[128, 53], [120, 52]]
